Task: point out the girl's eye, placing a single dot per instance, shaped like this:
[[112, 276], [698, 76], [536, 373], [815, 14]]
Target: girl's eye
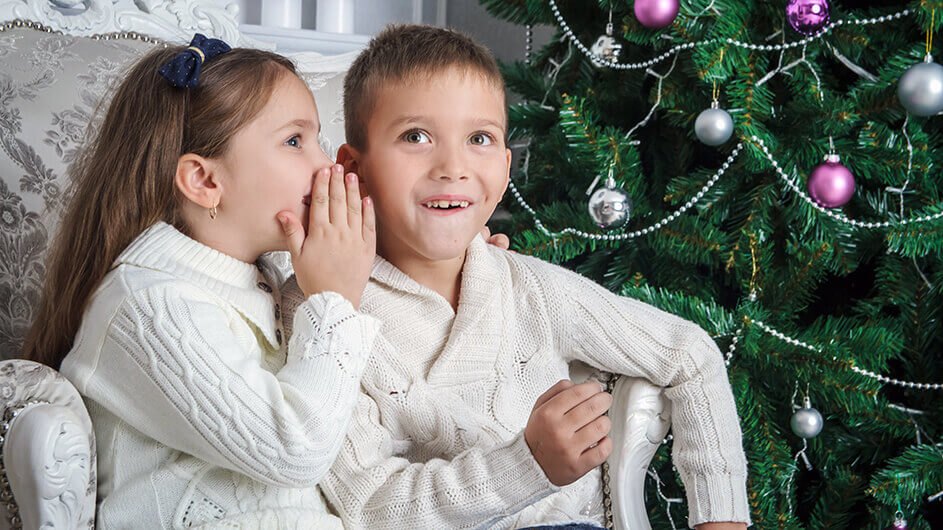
[[481, 139], [416, 137], [294, 141]]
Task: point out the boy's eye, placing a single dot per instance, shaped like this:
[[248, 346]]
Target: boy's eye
[[416, 137], [294, 141], [481, 139]]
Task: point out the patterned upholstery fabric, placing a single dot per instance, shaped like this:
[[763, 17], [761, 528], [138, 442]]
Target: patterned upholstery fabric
[[51, 87]]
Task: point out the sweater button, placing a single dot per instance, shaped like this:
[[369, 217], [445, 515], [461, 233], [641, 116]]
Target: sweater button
[[264, 286], [278, 312], [278, 336]]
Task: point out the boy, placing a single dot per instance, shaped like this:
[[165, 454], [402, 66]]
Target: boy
[[455, 426]]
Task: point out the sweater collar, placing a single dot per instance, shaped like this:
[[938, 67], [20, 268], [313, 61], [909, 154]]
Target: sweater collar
[[243, 285], [479, 308]]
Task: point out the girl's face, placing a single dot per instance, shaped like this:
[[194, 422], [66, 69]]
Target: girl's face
[[270, 165]]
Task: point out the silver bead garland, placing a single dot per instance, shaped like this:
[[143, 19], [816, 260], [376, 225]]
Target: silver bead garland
[[601, 61]]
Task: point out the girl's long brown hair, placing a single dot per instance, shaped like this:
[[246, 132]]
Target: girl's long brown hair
[[124, 182]]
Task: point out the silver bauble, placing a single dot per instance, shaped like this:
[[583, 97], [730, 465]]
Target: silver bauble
[[609, 206], [713, 126], [807, 422], [920, 89]]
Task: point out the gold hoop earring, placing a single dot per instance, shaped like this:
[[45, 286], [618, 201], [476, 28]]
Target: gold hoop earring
[[213, 210]]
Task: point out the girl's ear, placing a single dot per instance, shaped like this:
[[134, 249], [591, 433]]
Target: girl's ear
[[196, 180], [349, 157]]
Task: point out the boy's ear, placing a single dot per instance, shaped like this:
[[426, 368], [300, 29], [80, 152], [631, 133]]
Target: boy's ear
[[349, 157], [196, 180], [507, 177]]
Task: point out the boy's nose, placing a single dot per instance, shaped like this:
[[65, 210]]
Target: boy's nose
[[451, 165]]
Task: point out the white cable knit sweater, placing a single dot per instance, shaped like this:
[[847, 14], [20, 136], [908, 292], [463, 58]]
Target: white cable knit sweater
[[204, 414], [437, 436]]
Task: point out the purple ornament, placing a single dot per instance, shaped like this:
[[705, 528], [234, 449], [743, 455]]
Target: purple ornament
[[656, 14], [807, 16], [831, 184]]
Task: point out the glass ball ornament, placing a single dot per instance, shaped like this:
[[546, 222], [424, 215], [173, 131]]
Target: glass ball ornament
[[656, 14], [831, 184], [920, 89], [807, 16], [610, 206], [713, 126], [807, 422], [899, 522], [606, 46]]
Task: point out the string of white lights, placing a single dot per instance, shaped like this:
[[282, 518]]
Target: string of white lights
[[601, 61], [884, 379]]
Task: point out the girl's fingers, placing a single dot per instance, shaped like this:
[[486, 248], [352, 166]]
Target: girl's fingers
[[354, 213], [320, 199], [500, 241], [294, 232], [369, 222], [338, 202]]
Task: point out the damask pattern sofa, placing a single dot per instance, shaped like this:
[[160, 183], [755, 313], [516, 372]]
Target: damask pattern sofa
[[58, 61]]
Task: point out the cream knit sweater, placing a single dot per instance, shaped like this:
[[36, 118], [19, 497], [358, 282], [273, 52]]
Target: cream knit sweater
[[437, 436], [205, 414]]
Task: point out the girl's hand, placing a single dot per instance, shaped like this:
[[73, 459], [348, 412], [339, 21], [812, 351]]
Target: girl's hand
[[336, 254], [498, 240]]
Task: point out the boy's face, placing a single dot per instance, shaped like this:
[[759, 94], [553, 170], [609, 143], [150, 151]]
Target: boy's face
[[436, 163]]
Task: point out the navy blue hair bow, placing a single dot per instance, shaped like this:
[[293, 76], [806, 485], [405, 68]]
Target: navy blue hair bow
[[184, 69]]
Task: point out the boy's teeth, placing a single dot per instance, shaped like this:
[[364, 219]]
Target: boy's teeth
[[446, 204]]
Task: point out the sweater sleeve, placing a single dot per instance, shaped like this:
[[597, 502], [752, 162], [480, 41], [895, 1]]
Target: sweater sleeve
[[626, 336], [371, 487], [177, 367]]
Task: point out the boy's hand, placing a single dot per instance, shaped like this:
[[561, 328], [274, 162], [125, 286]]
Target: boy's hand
[[336, 254], [567, 433], [498, 240]]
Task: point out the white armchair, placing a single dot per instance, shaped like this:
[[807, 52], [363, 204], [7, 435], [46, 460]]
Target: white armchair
[[56, 62]]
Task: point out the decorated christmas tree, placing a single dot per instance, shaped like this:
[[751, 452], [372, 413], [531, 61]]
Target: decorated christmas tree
[[771, 171]]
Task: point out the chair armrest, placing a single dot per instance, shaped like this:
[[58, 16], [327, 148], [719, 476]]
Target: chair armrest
[[47, 478], [641, 416]]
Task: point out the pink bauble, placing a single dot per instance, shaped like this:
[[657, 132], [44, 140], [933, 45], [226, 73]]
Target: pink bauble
[[831, 184], [807, 16], [656, 14]]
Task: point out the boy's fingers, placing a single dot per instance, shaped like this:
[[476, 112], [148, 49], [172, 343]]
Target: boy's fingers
[[596, 454], [369, 221], [486, 233], [593, 431], [587, 411], [561, 385], [571, 397], [354, 213], [294, 232], [338, 202], [319, 198]]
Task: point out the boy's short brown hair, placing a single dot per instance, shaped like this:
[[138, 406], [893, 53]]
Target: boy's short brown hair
[[401, 51]]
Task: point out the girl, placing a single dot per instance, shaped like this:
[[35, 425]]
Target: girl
[[205, 413]]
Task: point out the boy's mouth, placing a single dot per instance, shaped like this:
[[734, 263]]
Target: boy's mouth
[[446, 203], [306, 200]]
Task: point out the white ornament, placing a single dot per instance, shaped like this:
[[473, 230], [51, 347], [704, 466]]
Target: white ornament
[[807, 422], [610, 206], [713, 126], [606, 46], [921, 88]]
